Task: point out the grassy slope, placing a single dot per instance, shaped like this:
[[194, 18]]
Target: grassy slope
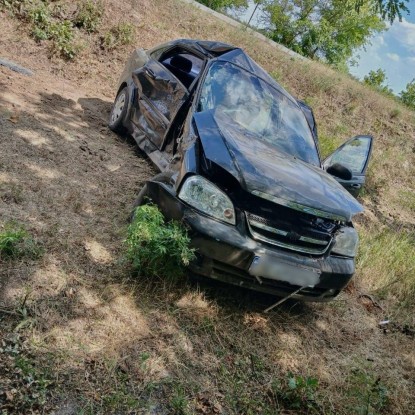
[[107, 346]]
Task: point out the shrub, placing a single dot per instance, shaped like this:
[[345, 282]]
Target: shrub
[[157, 248], [62, 36], [44, 26], [39, 16], [122, 34], [89, 15]]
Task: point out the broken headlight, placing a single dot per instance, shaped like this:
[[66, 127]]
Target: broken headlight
[[208, 198], [346, 242]]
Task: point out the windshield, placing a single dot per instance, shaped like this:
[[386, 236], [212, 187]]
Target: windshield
[[259, 109]]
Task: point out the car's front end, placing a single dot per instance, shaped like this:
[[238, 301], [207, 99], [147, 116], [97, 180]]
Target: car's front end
[[255, 243]]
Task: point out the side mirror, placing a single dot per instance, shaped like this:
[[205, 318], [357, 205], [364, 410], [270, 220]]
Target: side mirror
[[340, 171]]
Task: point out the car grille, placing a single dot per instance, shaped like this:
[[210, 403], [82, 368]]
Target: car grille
[[306, 241]]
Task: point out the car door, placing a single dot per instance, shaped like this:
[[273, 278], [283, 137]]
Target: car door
[[353, 154], [159, 96]]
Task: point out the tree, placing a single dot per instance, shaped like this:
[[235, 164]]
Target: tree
[[329, 30], [220, 5], [377, 80], [408, 95], [387, 9]]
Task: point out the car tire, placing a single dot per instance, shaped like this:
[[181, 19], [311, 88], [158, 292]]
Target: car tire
[[119, 111]]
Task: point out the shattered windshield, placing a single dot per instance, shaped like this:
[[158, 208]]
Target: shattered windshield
[[259, 109]]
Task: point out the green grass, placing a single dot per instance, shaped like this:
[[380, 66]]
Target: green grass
[[407, 198], [156, 248], [368, 395], [16, 242], [179, 404], [386, 262]]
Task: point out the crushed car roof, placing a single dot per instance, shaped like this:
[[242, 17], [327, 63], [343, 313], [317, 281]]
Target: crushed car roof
[[229, 53]]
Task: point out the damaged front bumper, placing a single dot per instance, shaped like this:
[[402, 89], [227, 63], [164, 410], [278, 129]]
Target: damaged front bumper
[[227, 253]]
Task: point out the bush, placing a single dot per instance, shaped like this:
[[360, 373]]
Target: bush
[[122, 34], [89, 15], [62, 36], [44, 26], [156, 248]]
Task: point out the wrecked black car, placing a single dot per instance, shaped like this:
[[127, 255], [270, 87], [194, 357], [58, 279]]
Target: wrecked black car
[[240, 165]]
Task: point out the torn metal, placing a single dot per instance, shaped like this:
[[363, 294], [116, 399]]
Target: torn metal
[[243, 169]]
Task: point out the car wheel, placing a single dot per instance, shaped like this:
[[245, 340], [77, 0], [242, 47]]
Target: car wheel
[[118, 112]]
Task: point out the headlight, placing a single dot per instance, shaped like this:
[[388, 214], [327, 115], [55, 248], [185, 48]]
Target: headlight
[[208, 198], [346, 242]]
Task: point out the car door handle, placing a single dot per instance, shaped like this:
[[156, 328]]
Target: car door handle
[[150, 73], [356, 185]]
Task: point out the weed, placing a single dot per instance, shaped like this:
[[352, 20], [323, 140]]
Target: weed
[[62, 36], [16, 7], [15, 242], [89, 15], [367, 393], [297, 393], [44, 27], [157, 248], [27, 385], [39, 16], [121, 34], [179, 403]]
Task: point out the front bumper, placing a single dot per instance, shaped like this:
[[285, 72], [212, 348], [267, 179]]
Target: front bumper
[[225, 252]]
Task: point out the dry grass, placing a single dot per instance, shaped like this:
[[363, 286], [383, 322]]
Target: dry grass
[[96, 340]]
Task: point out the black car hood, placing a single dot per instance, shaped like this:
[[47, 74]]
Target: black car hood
[[269, 173]]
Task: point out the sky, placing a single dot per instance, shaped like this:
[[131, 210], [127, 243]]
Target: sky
[[392, 50]]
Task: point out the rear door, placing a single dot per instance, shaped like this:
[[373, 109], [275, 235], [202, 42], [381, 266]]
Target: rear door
[[159, 95], [353, 154]]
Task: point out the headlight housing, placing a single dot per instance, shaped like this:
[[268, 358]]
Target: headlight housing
[[208, 198], [346, 242]]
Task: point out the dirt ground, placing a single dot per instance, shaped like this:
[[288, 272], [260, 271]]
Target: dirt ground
[[80, 334]]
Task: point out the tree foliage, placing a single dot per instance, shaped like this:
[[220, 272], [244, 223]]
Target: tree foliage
[[408, 95], [220, 5], [377, 79], [325, 29], [387, 9]]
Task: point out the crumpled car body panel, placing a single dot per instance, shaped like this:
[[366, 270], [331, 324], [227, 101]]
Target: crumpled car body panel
[[288, 211]]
